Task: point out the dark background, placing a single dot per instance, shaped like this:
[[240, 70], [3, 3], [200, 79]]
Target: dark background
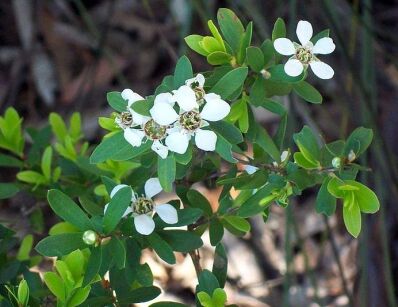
[[64, 56]]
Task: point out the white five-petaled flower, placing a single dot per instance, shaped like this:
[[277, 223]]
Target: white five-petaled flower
[[305, 54], [196, 108], [138, 127], [142, 207]]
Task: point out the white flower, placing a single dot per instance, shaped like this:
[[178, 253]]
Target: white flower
[[304, 54], [139, 128], [250, 169], [143, 207], [195, 109]]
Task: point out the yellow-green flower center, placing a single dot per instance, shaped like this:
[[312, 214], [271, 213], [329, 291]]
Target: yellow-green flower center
[[143, 205], [154, 131], [190, 120], [125, 120], [304, 55]]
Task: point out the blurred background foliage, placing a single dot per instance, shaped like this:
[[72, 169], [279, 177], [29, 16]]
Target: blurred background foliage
[[63, 56]]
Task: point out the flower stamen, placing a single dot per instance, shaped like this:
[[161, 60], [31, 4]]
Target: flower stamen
[[154, 131], [190, 120], [143, 205], [125, 120]]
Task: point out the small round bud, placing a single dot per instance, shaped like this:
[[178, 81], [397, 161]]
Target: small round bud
[[336, 162], [351, 156], [89, 237]]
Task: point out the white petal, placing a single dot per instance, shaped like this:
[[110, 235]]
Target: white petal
[[324, 46], [250, 169], [206, 140], [200, 79], [117, 189], [160, 149], [130, 96], [293, 67], [163, 114], [177, 142], [284, 46], [322, 70], [215, 109], [284, 155], [304, 32], [144, 224], [167, 213], [152, 187], [134, 136], [164, 98], [185, 97], [138, 119]]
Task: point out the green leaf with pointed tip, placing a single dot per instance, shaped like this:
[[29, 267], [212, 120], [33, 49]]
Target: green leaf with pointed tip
[[325, 202], [307, 92], [182, 72], [365, 197], [68, 210], [220, 264], [116, 101], [207, 282], [224, 149], [46, 162], [228, 131], [301, 160], [216, 231], [214, 31], [60, 245], [358, 141], [79, 296], [93, 265], [210, 44], [181, 240], [55, 284], [230, 82], [143, 106], [237, 222], [116, 208], [307, 144], [218, 58], [139, 295], [197, 200], [279, 29], [264, 140], [245, 43]]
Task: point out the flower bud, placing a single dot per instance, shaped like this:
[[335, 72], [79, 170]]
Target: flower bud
[[351, 156], [89, 237], [336, 162]]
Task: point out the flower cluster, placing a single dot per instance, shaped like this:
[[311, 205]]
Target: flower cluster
[[143, 207], [304, 55], [175, 118]]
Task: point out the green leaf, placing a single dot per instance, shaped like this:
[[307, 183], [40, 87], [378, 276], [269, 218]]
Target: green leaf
[[224, 149], [31, 177], [25, 248], [193, 42], [93, 265], [167, 304], [181, 240], [207, 282], [237, 222], [182, 72], [68, 210], [197, 200], [79, 296], [23, 293], [9, 161], [214, 31], [230, 82], [46, 162], [116, 208], [118, 251], [59, 245], [307, 144], [8, 190], [205, 299], [139, 295], [255, 58], [279, 29], [220, 265], [116, 101], [162, 248], [75, 124], [228, 131], [115, 147], [143, 106], [167, 172], [322, 34], [245, 43], [218, 58], [216, 231], [264, 140], [302, 161], [231, 27], [351, 215], [325, 202], [55, 284], [365, 197], [210, 44], [307, 92], [358, 141], [58, 126]]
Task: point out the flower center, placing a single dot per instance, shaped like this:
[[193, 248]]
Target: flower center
[[190, 120], [154, 131], [143, 205], [199, 94], [125, 120], [304, 55]]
